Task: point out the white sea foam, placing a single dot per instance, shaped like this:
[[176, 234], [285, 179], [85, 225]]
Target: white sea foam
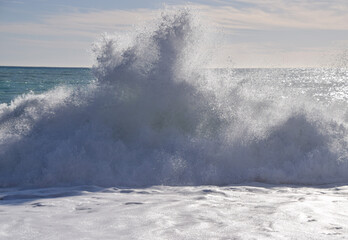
[[255, 211], [154, 116]]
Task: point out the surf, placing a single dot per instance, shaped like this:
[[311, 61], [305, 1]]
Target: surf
[[156, 116]]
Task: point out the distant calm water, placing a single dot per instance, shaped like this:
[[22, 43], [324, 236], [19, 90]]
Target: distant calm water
[[15, 81], [325, 85]]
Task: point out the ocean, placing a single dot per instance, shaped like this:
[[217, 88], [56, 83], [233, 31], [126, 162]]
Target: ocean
[[16, 81], [149, 143], [325, 85]]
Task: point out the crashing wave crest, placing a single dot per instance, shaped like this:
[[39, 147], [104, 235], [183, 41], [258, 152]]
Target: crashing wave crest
[[155, 116]]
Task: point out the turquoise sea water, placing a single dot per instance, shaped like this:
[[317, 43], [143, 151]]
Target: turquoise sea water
[[325, 85], [15, 81]]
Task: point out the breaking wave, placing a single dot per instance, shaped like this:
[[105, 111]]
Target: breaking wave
[[154, 116]]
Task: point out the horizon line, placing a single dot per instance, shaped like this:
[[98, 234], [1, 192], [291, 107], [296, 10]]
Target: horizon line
[[90, 67], [28, 66]]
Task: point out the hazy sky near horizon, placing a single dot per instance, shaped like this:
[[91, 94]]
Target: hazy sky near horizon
[[250, 33]]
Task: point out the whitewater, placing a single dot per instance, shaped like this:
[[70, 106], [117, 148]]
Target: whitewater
[[160, 146]]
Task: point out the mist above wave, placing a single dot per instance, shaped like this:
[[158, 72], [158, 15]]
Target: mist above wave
[[155, 117]]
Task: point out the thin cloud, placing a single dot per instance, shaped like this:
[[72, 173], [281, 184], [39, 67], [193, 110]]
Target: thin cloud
[[80, 24], [279, 14], [264, 14], [229, 17]]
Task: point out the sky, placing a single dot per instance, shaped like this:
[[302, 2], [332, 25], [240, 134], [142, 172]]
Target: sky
[[250, 33]]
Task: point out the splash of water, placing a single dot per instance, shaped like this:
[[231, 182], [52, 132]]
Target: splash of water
[[154, 116]]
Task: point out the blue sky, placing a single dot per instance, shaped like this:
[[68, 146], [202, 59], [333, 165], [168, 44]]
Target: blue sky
[[256, 33]]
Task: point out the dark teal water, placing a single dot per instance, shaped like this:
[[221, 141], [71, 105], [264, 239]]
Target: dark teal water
[[15, 81]]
